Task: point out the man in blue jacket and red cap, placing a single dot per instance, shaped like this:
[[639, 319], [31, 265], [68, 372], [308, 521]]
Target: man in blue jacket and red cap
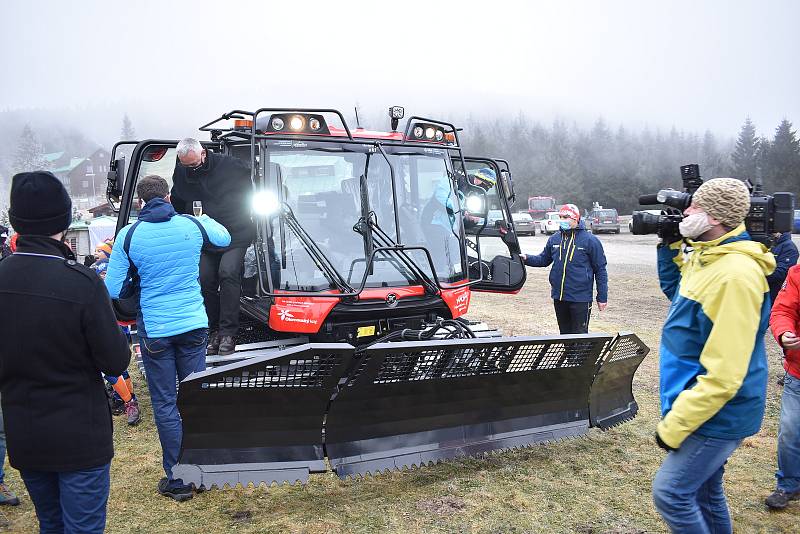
[[578, 261]]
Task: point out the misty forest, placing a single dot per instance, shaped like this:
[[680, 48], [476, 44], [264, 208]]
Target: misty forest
[[604, 163]]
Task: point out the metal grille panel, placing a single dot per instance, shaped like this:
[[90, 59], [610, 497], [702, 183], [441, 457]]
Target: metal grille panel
[[428, 364], [311, 372]]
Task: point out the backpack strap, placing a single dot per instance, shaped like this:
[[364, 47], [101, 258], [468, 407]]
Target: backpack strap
[[126, 245], [199, 227]]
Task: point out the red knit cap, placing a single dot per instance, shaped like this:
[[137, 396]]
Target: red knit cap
[[571, 211]]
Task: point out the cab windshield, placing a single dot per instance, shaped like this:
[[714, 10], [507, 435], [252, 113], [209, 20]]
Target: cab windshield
[[329, 190]]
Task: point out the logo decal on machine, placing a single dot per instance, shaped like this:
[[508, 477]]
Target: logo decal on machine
[[391, 299], [287, 317]]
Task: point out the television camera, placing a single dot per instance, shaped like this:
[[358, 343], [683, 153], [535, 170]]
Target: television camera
[[768, 215]]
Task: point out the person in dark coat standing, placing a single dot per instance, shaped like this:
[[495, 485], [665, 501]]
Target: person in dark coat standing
[[786, 255], [5, 249], [578, 261], [222, 186], [57, 335]]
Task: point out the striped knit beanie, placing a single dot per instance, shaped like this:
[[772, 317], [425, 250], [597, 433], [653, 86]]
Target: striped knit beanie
[[725, 199]]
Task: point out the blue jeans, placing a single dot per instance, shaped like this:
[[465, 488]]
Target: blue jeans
[[166, 361], [2, 447], [788, 473], [687, 490], [70, 502]]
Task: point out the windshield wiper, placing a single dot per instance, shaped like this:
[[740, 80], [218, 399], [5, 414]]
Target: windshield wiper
[[387, 242], [314, 251]]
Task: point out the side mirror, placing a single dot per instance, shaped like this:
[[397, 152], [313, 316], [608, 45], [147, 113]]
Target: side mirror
[[116, 179], [508, 187]]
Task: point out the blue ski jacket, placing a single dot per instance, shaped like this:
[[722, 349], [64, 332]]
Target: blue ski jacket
[[165, 248], [578, 261]]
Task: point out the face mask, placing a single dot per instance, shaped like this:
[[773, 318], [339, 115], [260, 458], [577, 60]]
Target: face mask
[[564, 225], [695, 225]]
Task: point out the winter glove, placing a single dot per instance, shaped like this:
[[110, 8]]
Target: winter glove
[[663, 445]]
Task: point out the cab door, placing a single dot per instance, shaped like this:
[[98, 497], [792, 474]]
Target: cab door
[[153, 156], [499, 262]]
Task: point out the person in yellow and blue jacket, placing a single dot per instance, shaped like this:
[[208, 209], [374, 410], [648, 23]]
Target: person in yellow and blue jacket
[[713, 366]]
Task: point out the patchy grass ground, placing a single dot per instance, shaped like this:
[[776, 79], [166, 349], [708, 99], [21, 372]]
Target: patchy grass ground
[[597, 484]]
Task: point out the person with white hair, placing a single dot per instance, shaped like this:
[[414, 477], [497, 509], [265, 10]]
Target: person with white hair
[[220, 186]]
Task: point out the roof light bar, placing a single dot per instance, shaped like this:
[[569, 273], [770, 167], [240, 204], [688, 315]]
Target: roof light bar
[[293, 123], [431, 133]]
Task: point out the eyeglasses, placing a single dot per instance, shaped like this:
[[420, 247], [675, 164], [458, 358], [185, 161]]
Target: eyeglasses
[[193, 167], [197, 166]]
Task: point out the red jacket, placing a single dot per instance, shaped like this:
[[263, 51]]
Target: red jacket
[[785, 317]]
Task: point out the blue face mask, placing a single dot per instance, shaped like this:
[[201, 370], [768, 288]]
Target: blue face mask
[[564, 225]]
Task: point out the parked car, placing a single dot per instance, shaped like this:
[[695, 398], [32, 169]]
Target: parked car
[[602, 220], [493, 217], [551, 223], [796, 222], [523, 224], [652, 212]]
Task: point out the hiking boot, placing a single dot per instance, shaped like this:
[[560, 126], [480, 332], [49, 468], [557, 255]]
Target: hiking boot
[[213, 344], [8, 497], [117, 406], [779, 499], [133, 413], [175, 489], [227, 345]]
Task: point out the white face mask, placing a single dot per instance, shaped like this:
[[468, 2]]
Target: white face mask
[[695, 225]]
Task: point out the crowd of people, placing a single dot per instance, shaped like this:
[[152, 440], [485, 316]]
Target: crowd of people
[[182, 261]]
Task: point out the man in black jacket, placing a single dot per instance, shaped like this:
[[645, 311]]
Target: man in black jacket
[[223, 186], [57, 335]]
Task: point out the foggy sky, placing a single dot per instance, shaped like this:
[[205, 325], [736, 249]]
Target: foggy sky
[[174, 65]]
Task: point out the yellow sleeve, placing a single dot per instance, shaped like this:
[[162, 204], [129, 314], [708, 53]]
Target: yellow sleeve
[[733, 305]]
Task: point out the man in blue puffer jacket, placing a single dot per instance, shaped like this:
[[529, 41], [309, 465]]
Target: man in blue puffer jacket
[[164, 249], [578, 261]]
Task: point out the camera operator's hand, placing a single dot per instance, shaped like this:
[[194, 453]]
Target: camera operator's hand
[[660, 443], [602, 305], [790, 341], [523, 257]]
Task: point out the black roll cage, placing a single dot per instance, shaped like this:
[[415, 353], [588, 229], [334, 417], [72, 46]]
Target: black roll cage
[[220, 135]]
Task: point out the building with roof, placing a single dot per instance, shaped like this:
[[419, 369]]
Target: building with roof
[[84, 178]]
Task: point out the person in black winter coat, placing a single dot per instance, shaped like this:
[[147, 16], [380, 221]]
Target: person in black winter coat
[[786, 256], [57, 335], [223, 186], [5, 250]]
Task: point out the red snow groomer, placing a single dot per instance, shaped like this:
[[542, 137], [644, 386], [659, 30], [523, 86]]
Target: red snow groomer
[[354, 343]]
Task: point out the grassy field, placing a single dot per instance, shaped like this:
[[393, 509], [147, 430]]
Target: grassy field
[[592, 485]]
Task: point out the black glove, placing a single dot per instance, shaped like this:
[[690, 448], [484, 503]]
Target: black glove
[[663, 445]]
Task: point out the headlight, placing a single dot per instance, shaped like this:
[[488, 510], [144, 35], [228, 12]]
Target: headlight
[[474, 204], [265, 203], [418, 132], [296, 123], [429, 132], [314, 124], [277, 124], [439, 135]]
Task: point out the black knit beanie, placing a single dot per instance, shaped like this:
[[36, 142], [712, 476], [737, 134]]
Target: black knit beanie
[[40, 204]]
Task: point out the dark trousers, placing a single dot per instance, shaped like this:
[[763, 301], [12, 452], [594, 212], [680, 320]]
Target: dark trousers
[[573, 317], [165, 359], [221, 284], [70, 502]]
